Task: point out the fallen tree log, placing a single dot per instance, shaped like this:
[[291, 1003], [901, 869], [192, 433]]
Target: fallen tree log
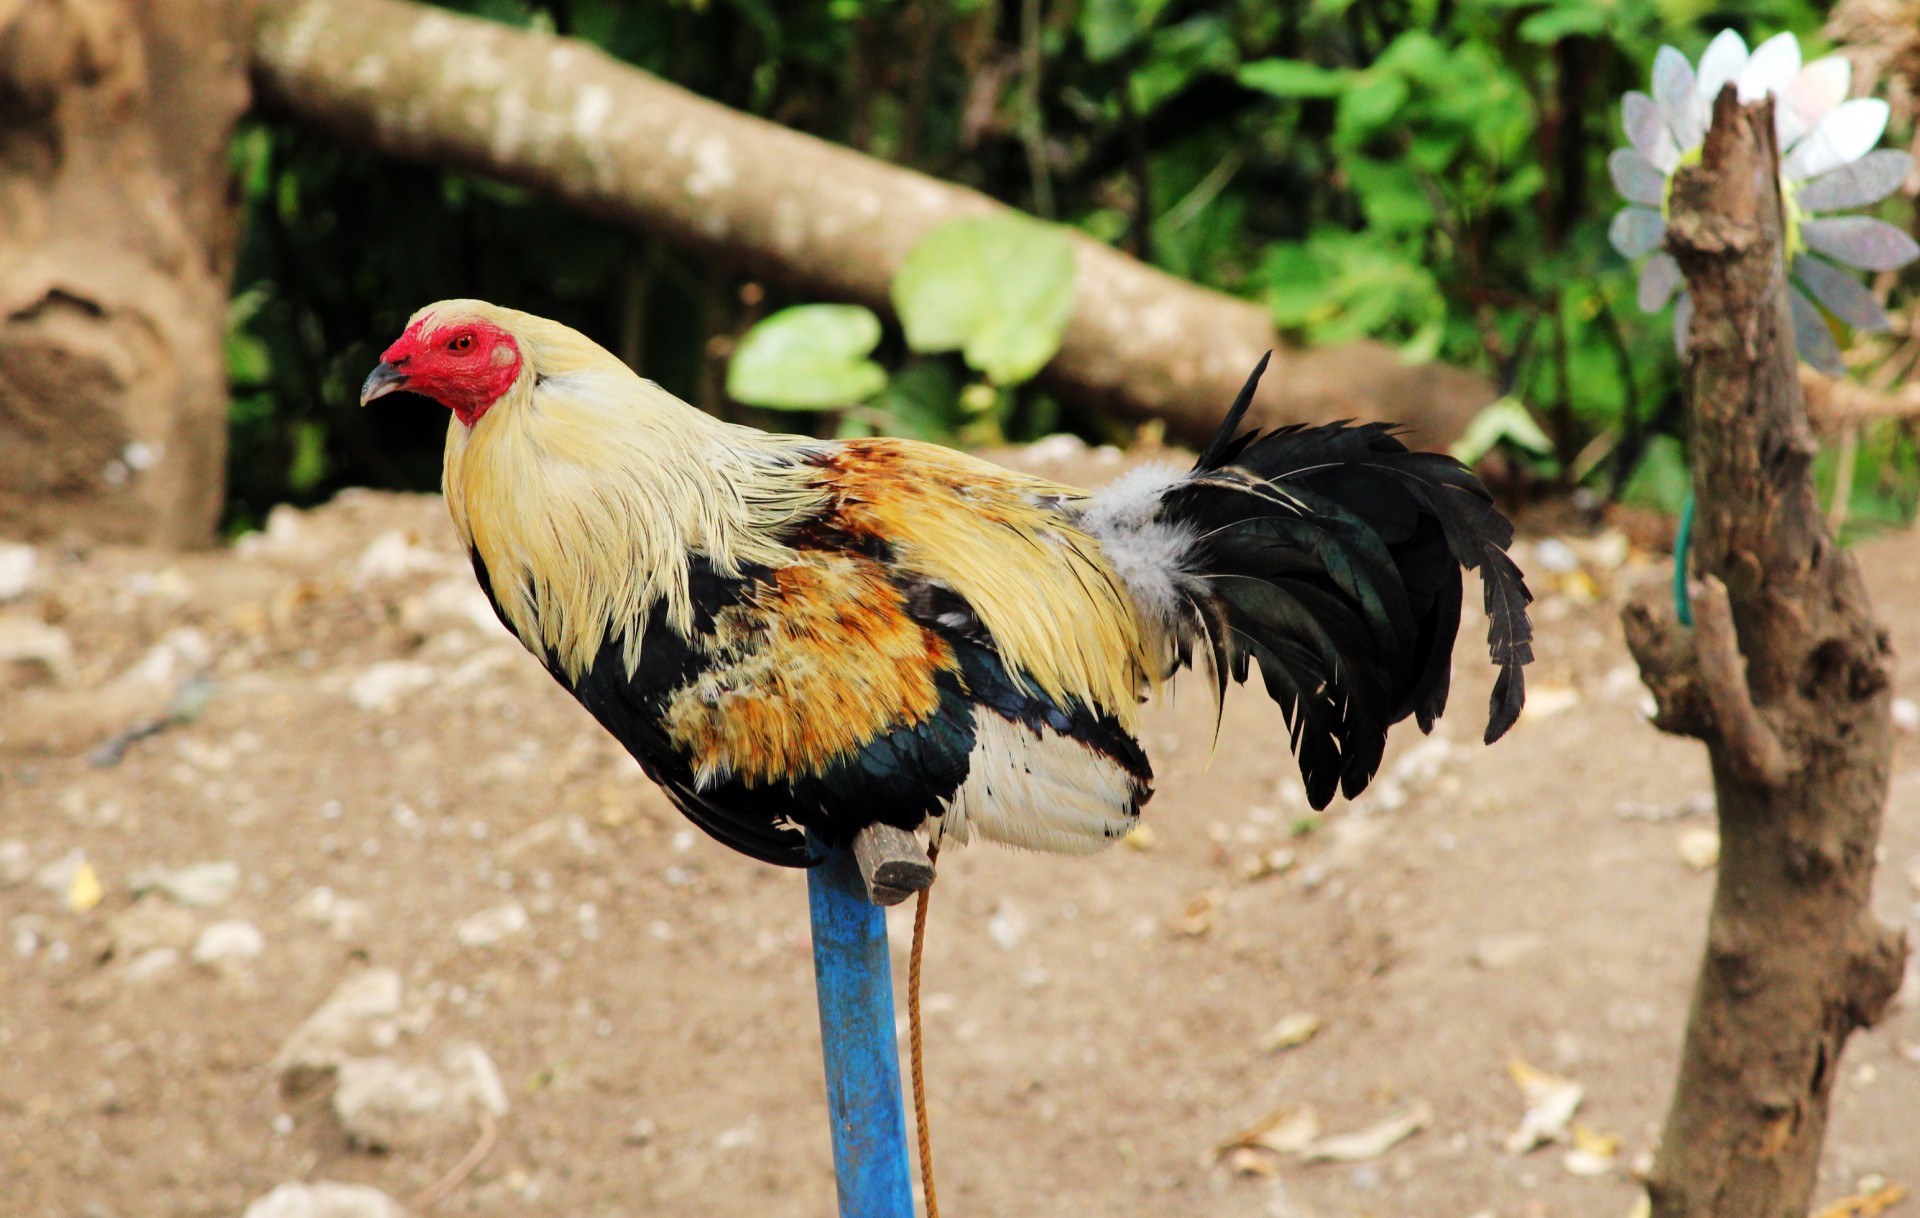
[[561, 117]]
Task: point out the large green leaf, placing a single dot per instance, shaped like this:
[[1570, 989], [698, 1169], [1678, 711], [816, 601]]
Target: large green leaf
[[1565, 20], [810, 357], [1293, 78], [1108, 27], [1373, 102], [249, 358], [998, 289], [1391, 194], [1178, 55]]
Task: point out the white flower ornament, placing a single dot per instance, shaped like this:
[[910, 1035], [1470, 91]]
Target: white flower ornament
[[1827, 164]]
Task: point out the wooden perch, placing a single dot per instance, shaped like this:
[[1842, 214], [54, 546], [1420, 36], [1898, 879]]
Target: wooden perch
[[1785, 677], [563, 118], [892, 862]]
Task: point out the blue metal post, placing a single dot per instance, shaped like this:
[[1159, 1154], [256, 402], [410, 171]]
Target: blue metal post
[[855, 982]]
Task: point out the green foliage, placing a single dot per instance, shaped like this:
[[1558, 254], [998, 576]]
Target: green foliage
[[1340, 286], [920, 402], [1454, 198], [1432, 142], [1884, 492], [809, 357], [1179, 55], [998, 289], [1431, 173], [1660, 480], [338, 250], [1293, 78], [1109, 27]]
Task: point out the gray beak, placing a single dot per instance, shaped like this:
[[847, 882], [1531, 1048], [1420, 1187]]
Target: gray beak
[[381, 381]]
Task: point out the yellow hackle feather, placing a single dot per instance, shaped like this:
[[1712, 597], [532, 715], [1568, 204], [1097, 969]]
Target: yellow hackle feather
[[584, 489]]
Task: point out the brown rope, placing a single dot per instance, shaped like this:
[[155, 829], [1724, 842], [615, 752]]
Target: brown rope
[[913, 1038]]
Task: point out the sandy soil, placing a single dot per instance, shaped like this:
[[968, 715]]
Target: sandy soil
[[382, 763]]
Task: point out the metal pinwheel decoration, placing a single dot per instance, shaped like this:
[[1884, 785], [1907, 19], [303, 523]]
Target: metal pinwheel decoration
[[1827, 164]]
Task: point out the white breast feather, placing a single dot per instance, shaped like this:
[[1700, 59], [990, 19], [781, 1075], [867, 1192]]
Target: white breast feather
[[1037, 790]]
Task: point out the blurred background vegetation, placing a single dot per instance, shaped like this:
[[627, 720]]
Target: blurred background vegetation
[[1428, 172]]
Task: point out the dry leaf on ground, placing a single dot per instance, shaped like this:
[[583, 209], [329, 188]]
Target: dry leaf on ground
[[1373, 1141], [1551, 1103], [1247, 1161], [1201, 914], [1291, 1032], [1264, 863], [85, 892], [1286, 1131]]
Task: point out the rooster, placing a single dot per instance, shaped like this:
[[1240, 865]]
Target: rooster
[[802, 637]]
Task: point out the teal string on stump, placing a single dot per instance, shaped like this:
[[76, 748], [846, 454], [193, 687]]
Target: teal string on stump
[[854, 978], [1682, 549]]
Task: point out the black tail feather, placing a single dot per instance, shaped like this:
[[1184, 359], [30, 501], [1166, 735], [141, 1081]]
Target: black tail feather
[[1478, 536], [1331, 557], [1223, 449]]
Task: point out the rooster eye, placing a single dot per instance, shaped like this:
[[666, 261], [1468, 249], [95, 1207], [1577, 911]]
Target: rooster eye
[[462, 343]]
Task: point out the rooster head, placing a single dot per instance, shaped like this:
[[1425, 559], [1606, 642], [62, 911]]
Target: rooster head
[[464, 354]]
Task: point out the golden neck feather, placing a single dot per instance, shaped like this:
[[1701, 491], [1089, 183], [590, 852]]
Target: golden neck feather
[[585, 489]]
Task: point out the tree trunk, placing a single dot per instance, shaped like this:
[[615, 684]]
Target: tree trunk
[[563, 118], [1786, 679], [116, 238]]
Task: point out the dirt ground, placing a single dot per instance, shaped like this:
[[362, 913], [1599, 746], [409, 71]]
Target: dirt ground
[[381, 763]]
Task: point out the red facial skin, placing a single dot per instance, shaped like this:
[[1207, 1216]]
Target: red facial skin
[[465, 367]]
